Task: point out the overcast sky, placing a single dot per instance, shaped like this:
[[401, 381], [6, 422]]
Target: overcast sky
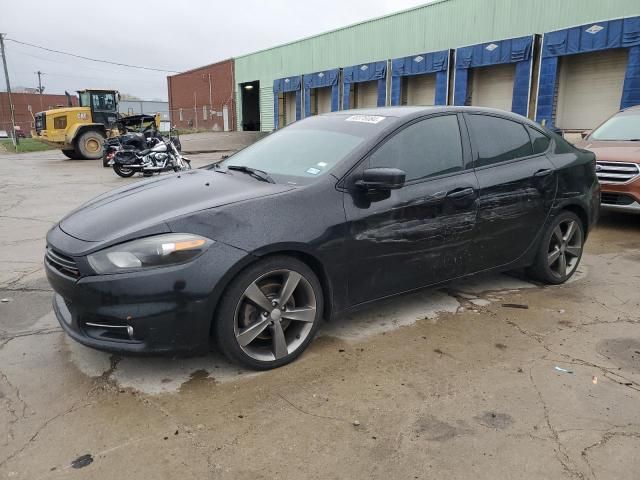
[[172, 35]]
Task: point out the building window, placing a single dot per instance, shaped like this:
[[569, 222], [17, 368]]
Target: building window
[[204, 112], [59, 123], [181, 116]]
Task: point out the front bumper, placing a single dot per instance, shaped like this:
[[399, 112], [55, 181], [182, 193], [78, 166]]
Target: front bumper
[[155, 312], [621, 197]]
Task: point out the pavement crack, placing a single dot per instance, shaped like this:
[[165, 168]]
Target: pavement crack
[[561, 454], [608, 373], [4, 339], [44, 425], [293, 405], [603, 441]]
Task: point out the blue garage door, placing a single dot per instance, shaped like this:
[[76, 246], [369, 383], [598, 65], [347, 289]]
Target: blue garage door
[[328, 79], [594, 37], [366, 72], [516, 51], [417, 65], [285, 85]]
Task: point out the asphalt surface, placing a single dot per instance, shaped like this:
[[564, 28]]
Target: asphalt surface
[[450, 383]]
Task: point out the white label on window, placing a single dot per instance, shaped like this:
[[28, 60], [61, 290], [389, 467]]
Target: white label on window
[[491, 47], [313, 171], [365, 118], [322, 164], [593, 29]]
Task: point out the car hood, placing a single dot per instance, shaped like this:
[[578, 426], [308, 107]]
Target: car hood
[[613, 151], [139, 207]]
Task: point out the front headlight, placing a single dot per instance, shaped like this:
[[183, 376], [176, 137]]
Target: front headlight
[[156, 251]]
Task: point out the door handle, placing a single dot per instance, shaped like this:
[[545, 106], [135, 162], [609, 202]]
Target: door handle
[[461, 193], [543, 173], [434, 199]]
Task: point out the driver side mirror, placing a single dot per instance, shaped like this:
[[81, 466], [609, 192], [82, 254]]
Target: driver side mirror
[[585, 134], [381, 179]]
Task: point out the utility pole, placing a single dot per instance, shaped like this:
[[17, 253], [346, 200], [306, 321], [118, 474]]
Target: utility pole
[[39, 73], [16, 142]]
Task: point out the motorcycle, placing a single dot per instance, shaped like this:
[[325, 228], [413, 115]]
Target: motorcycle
[[163, 156], [137, 132]]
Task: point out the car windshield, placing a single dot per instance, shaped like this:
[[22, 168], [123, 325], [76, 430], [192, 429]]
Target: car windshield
[[624, 126], [308, 149]]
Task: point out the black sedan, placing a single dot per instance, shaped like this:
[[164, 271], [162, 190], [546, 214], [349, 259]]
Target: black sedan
[[326, 215]]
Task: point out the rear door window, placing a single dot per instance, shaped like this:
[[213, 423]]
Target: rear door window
[[498, 140]]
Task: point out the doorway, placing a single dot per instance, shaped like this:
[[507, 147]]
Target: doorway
[[250, 106]]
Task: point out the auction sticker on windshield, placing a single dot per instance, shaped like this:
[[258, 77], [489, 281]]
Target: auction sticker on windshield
[[365, 118]]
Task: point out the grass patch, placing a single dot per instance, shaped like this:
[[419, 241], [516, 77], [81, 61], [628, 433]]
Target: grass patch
[[26, 145]]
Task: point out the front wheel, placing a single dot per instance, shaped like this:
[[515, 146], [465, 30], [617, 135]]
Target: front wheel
[[124, 172], [560, 250], [269, 314]]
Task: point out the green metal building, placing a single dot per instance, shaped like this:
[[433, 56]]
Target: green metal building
[[446, 26]]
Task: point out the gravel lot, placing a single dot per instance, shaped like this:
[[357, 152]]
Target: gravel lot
[[446, 384]]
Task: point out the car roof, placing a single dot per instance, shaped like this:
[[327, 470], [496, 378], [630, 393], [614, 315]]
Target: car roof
[[403, 112]]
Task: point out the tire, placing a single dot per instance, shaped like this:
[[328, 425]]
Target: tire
[[560, 250], [90, 145], [123, 171], [70, 154], [238, 315]]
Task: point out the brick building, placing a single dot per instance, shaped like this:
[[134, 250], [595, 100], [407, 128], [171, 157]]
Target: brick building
[[26, 104], [202, 98]]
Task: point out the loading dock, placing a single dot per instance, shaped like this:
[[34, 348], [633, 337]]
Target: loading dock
[[287, 100], [589, 72], [420, 79], [364, 85], [321, 92], [250, 106], [495, 74]]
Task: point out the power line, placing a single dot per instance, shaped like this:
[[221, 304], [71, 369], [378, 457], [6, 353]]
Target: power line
[[89, 58]]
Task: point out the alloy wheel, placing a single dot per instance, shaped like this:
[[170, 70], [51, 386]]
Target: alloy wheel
[[275, 315], [565, 248]]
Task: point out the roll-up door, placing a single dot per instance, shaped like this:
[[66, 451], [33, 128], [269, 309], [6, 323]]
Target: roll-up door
[[366, 94], [493, 86], [420, 90], [589, 88], [290, 107], [323, 97]]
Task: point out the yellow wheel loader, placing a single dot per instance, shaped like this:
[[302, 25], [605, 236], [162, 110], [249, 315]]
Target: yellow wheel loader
[[81, 131]]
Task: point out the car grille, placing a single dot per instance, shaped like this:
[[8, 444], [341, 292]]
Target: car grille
[[616, 172], [62, 263], [615, 199]]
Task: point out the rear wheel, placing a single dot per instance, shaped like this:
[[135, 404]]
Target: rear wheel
[[269, 314], [560, 250], [90, 145], [124, 172]]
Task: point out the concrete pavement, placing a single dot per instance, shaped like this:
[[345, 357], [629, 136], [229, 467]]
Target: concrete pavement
[[446, 384]]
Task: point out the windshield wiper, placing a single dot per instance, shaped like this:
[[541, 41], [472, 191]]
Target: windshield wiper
[[254, 172]]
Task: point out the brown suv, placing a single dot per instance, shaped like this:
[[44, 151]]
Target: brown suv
[[616, 143]]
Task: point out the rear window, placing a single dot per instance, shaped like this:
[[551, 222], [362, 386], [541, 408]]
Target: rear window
[[498, 140], [539, 141]]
